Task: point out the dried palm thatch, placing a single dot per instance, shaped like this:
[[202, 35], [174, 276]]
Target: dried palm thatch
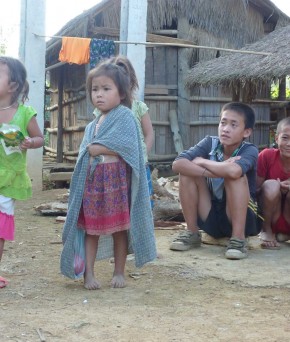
[[238, 68], [224, 23], [235, 20]]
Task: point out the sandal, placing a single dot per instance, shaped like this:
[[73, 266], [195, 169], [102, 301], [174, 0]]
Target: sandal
[[270, 244], [268, 241], [3, 282]]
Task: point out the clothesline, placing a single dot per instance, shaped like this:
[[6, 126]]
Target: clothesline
[[179, 45]]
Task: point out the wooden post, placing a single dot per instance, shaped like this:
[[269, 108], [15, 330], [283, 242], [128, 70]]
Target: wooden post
[[236, 89], [175, 130], [59, 155], [282, 97], [183, 102]]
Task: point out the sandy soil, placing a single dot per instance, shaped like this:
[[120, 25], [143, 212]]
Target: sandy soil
[[184, 296]]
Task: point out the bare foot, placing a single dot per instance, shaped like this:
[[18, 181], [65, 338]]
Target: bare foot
[[91, 283], [118, 281]]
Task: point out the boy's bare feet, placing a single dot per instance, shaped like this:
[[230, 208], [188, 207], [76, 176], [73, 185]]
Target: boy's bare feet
[[118, 281], [91, 283]]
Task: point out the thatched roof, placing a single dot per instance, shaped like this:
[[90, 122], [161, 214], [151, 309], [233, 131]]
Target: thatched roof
[[241, 68], [224, 23]]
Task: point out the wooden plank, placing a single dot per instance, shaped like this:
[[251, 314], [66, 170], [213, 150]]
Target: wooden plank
[[161, 98], [160, 123], [165, 86], [156, 91]]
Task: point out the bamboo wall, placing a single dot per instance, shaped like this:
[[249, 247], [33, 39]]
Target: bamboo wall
[[161, 95], [205, 110]]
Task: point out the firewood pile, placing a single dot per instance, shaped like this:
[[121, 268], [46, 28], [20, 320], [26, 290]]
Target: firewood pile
[[166, 202]]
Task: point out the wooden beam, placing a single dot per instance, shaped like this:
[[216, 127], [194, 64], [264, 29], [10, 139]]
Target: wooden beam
[[67, 129], [161, 98], [60, 176]]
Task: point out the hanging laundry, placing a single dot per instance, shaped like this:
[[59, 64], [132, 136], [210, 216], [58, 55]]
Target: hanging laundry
[[100, 49], [75, 50]]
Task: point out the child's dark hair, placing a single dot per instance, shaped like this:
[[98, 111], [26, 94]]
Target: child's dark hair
[[245, 110], [282, 123], [118, 75], [17, 75], [125, 63]]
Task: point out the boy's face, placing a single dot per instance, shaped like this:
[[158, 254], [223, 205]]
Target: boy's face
[[232, 129], [283, 141]]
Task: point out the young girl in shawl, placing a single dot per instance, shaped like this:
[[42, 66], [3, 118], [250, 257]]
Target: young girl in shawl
[[140, 110], [112, 199], [19, 132]]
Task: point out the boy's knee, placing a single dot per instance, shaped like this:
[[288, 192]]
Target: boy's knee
[[185, 180], [271, 189]]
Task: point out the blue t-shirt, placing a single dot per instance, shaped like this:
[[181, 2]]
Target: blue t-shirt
[[208, 148]]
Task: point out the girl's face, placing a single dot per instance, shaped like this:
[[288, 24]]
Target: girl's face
[[105, 94], [283, 141], [5, 87]]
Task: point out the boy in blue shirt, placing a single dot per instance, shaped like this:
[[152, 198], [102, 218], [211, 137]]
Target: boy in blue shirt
[[217, 184]]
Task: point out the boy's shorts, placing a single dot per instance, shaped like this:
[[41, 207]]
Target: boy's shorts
[[218, 225], [281, 226]]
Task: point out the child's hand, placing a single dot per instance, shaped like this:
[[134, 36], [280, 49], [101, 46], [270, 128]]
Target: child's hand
[[198, 161], [92, 149], [284, 186], [27, 143]]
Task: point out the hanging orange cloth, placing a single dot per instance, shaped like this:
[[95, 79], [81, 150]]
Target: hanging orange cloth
[[75, 50]]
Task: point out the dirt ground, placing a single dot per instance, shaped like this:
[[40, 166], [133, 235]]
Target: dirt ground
[[183, 296]]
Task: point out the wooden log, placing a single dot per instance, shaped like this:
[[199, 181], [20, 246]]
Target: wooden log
[[175, 130], [49, 149], [160, 191], [71, 158], [71, 153], [167, 209], [60, 176]]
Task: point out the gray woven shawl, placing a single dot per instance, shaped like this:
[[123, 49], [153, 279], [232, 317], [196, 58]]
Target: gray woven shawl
[[120, 134]]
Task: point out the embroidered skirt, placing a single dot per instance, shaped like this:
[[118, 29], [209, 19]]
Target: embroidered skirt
[[7, 226], [106, 201]]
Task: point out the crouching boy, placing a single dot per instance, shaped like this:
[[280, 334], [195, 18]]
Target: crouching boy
[[217, 184]]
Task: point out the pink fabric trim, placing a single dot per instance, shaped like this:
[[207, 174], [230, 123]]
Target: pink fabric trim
[[7, 226]]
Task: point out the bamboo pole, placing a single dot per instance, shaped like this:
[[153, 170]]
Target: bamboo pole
[[151, 44]]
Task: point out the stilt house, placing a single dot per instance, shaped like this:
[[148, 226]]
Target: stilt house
[[180, 116]]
